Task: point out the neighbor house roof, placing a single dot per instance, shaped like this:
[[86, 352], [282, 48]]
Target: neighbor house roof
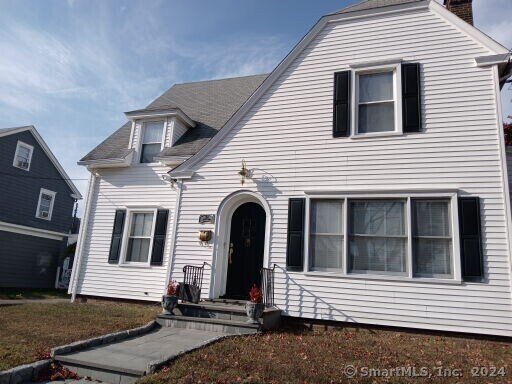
[[209, 104], [371, 4], [11, 131]]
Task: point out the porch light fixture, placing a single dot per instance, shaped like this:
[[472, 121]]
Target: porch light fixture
[[244, 172]]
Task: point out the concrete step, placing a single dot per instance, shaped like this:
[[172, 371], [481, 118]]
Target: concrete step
[[225, 312], [230, 327]]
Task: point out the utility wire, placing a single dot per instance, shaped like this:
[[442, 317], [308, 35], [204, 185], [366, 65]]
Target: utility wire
[[39, 178]]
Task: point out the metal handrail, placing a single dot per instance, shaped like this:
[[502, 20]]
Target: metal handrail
[[267, 285]]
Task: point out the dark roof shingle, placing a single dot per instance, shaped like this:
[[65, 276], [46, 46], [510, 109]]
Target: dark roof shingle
[[209, 103]]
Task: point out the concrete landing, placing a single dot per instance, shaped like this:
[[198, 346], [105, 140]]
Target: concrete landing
[[127, 360]]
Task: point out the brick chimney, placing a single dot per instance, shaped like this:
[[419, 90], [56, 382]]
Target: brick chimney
[[461, 8]]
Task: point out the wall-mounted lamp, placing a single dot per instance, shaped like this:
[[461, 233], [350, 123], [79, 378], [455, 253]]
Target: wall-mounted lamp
[[205, 235], [244, 172]]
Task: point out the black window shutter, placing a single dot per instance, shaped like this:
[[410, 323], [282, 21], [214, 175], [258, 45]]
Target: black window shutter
[[470, 239], [341, 113], [117, 236], [411, 97], [157, 254], [295, 242]]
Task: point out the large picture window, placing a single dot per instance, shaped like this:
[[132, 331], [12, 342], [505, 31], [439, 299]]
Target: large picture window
[[378, 239], [151, 141], [410, 236]]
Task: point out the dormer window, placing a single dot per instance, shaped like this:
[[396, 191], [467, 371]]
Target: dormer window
[[152, 137], [23, 156]]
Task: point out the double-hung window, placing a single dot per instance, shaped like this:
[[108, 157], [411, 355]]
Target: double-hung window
[[151, 141], [45, 204], [140, 236], [23, 156], [376, 103], [432, 240], [410, 236], [326, 235]]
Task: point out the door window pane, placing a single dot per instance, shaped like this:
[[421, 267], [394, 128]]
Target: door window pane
[[326, 237], [378, 240], [432, 247], [139, 238]]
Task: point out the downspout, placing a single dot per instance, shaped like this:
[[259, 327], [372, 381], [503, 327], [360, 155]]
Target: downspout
[[77, 264], [173, 236], [504, 170]]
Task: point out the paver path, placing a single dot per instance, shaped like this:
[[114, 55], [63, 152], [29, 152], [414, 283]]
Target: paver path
[[133, 356], [33, 301]]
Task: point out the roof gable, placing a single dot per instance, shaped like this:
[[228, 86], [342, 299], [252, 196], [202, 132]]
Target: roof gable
[[47, 151]]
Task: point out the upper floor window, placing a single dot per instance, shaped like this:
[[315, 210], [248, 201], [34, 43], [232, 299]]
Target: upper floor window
[[151, 141], [23, 156], [45, 204], [376, 102]]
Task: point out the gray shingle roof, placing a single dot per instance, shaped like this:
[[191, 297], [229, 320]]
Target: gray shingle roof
[[371, 4], [209, 103]]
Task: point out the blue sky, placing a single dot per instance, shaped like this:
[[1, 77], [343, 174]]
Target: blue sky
[[72, 67]]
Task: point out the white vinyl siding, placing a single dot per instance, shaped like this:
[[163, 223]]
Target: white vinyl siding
[[136, 186], [286, 139]]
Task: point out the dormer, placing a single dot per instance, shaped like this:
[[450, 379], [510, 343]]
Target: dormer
[[156, 129]]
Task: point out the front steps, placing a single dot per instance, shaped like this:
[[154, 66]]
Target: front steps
[[219, 315]]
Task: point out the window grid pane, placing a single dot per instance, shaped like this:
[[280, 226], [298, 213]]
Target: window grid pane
[[326, 237], [378, 239], [139, 238], [432, 246], [376, 102], [153, 132]]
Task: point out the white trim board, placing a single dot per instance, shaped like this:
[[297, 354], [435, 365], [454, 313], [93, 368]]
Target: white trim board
[[24, 230], [191, 164], [75, 192]]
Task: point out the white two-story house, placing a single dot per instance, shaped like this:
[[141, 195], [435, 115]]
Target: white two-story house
[[368, 170]]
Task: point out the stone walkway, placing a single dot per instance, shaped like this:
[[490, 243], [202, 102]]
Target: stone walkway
[[138, 356], [33, 301]]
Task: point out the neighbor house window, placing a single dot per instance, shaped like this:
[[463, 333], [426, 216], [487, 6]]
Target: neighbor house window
[[140, 236], [23, 156], [45, 204], [407, 236], [378, 236], [432, 240], [151, 141], [326, 237]]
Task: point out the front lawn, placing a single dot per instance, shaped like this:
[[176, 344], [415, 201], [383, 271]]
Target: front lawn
[[29, 331], [32, 293], [322, 356]]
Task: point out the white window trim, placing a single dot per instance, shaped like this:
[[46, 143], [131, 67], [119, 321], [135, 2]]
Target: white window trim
[[126, 232], [344, 273], [396, 67], [27, 146], [50, 213], [141, 137]]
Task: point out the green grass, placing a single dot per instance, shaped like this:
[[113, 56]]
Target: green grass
[[320, 357], [29, 331], [28, 293]]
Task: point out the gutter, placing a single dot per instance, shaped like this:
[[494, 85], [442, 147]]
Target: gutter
[[77, 264], [173, 238]]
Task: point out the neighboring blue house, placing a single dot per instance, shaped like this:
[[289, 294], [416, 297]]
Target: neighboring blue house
[[36, 209]]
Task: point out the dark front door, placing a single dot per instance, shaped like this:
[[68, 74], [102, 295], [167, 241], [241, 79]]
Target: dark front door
[[245, 256]]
